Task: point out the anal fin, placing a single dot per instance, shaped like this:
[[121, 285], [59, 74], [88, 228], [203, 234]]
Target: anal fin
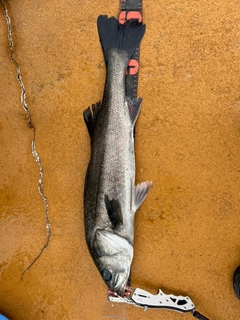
[[90, 116], [134, 107]]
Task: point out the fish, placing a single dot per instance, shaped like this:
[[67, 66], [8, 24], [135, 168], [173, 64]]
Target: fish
[[111, 197]]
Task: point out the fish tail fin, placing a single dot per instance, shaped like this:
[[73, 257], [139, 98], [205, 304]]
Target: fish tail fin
[[113, 35]]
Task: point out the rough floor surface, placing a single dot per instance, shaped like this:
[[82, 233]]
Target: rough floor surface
[[187, 238]]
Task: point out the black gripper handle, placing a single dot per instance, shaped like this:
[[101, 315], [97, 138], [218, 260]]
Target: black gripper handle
[[199, 316]]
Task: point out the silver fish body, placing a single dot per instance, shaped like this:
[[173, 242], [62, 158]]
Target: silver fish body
[[111, 169], [111, 198]]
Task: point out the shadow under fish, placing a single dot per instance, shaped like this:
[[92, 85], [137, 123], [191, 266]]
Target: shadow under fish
[[110, 195]]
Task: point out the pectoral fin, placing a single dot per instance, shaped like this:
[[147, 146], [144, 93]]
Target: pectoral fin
[[139, 194], [90, 116], [114, 211]]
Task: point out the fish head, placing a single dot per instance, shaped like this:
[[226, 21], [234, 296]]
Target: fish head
[[113, 256]]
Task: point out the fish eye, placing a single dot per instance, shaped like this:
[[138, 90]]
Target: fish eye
[[106, 274]]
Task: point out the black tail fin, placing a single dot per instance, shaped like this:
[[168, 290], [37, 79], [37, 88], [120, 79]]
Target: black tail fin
[[114, 35]]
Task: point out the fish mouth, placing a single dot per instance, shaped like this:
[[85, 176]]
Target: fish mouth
[[120, 283]]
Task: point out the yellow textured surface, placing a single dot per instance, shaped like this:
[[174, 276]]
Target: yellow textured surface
[[187, 238]]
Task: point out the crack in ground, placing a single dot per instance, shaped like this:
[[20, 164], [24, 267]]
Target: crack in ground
[[31, 126]]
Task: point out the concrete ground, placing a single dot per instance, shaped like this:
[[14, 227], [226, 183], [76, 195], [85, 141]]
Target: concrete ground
[[187, 238]]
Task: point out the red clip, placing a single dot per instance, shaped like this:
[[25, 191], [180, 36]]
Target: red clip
[[133, 67], [124, 16]]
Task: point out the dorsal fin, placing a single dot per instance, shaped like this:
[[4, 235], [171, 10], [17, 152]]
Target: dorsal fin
[[90, 116], [114, 211], [139, 194], [134, 107]]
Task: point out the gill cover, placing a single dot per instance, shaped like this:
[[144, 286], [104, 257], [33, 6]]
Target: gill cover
[[107, 243]]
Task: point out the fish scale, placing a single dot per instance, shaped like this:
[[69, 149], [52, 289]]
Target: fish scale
[[112, 177]]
